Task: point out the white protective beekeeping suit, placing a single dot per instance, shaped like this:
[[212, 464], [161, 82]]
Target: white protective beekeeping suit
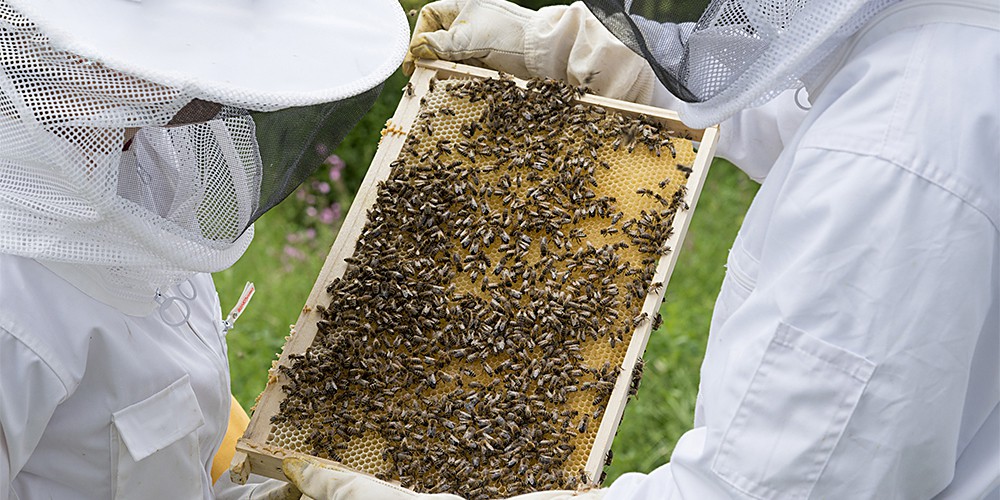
[[139, 141], [854, 350], [854, 345]]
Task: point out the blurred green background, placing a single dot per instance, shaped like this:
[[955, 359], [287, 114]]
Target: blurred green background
[[292, 240]]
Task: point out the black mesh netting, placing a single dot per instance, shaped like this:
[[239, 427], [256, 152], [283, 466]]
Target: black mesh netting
[[288, 140], [643, 26]]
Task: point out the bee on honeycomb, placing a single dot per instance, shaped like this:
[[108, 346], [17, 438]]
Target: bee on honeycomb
[[477, 333]]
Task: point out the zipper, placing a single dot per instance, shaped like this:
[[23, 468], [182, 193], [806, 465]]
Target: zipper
[[217, 356]]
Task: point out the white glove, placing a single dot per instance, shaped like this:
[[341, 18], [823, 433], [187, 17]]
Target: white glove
[[319, 482], [562, 42], [486, 32], [569, 43], [256, 488]]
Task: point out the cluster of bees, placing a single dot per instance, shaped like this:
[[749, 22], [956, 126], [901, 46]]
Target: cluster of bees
[[476, 335]]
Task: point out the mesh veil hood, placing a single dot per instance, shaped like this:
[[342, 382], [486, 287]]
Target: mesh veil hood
[[181, 195], [739, 53]]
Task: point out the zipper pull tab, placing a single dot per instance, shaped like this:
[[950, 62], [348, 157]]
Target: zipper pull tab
[[230, 320]]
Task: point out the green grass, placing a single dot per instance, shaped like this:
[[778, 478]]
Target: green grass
[[282, 286], [653, 421]]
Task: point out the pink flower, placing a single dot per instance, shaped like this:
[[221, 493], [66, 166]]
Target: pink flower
[[310, 233], [336, 167], [311, 211], [321, 149], [323, 187], [327, 216], [294, 253]]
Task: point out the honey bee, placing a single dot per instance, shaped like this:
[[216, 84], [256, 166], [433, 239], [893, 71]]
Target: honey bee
[[473, 258]]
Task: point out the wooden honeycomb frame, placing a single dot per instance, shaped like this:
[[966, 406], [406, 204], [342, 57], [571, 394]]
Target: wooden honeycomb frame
[[256, 455]]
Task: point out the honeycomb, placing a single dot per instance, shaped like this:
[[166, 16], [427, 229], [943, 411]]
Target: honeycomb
[[472, 344]]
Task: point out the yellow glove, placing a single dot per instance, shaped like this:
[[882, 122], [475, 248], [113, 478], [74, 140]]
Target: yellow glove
[[489, 33], [263, 489], [238, 422], [319, 482]]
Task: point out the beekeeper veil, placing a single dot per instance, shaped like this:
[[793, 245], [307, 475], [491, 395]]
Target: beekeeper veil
[[146, 136], [739, 53]]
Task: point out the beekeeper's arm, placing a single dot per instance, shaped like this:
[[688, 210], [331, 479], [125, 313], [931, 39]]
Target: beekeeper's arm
[[31, 387], [570, 44]]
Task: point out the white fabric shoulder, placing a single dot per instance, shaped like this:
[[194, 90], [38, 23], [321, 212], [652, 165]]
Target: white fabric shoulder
[[30, 389], [95, 282], [29, 294], [907, 14], [910, 101]]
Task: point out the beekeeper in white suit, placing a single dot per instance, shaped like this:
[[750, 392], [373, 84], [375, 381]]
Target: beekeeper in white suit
[[129, 169], [854, 346]]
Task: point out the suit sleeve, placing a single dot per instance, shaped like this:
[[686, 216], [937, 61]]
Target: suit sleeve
[[850, 334], [29, 392]]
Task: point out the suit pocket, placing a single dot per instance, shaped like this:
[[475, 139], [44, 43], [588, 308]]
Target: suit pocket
[[792, 415], [155, 446], [739, 283]]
